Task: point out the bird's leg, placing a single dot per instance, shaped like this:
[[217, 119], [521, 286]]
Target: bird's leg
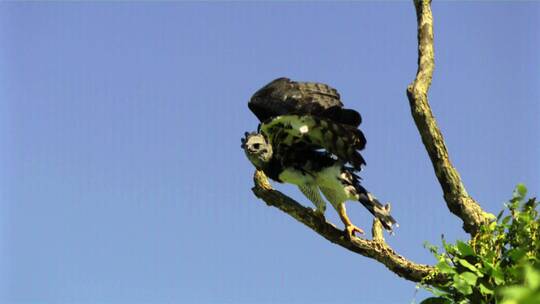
[[313, 194], [349, 227]]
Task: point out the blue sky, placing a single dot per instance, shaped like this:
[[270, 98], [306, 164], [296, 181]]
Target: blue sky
[[122, 179]]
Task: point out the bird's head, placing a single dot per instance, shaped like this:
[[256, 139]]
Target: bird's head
[[257, 149]]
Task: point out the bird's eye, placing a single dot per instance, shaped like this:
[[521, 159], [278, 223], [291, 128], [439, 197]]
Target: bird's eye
[[257, 146]]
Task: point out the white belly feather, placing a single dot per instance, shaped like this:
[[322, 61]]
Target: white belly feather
[[327, 179], [332, 187], [296, 177]]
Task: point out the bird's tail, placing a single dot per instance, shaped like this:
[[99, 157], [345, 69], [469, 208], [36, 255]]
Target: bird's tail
[[380, 211]]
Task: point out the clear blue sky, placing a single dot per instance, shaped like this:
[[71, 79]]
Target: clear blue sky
[[121, 174]]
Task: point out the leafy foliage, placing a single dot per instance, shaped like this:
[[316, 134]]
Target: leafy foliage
[[501, 264]]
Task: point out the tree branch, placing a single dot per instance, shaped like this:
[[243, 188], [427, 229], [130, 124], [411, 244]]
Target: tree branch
[[457, 199], [376, 249]]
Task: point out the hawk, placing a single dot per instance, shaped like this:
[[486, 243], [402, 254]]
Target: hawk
[[307, 138]]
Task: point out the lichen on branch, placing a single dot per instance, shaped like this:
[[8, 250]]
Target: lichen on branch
[[459, 202]]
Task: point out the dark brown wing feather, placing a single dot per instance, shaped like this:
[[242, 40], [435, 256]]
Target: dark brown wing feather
[[284, 97]]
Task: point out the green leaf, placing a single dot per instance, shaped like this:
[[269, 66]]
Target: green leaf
[[432, 248], [469, 277], [461, 285], [525, 217], [514, 204], [487, 264], [485, 269], [468, 265], [464, 248], [532, 277], [436, 300], [514, 292], [513, 271], [500, 215], [506, 219], [485, 290], [497, 275], [516, 254], [530, 204], [507, 253], [443, 267], [439, 292], [489, 257], [521, 190], [448, 247]]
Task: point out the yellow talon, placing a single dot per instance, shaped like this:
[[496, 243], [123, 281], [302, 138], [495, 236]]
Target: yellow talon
[[351, 229]]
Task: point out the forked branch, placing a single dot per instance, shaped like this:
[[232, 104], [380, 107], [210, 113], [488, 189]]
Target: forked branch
[[457, 199]]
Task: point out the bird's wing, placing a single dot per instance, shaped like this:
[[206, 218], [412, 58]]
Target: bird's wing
[[344, 141], [284, 97]]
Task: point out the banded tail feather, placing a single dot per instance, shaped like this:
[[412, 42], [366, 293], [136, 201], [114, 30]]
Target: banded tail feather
[[380, 211]]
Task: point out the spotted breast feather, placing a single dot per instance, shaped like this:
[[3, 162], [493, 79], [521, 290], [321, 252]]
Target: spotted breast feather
[[344, 141]]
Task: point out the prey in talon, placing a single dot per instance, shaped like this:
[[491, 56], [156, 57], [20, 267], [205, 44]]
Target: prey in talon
[[307, 138]]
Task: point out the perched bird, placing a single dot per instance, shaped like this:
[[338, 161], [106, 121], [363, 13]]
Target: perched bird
[[307, 138]]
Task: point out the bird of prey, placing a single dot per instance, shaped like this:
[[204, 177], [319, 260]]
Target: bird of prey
[[307, 138]]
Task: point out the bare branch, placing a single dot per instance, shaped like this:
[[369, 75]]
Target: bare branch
[[457, 199], [377, 231], [376, 249]]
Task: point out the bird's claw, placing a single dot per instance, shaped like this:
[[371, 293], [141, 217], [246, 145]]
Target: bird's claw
[[351, 229]]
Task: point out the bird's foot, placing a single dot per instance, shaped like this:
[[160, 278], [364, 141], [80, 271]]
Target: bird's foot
[[351, 229]]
